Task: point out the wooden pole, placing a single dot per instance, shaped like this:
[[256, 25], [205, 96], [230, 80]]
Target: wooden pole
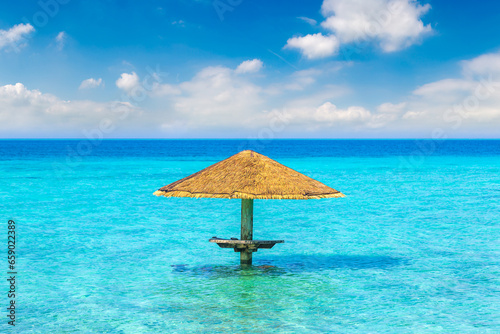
[[246, 229]]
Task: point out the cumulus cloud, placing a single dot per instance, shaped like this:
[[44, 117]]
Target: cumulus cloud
[[329, 113], [328, 116], [315, 46], [216, 97], [150, 86], [450, 105], [215, 101], [128, 82], [28, 113], [219, 102], [249, 66], [392, 24], [15, 37], [458, 106], [467, 106], [90, 83]]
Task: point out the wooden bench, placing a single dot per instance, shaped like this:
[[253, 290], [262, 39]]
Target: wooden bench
[[245, 245]]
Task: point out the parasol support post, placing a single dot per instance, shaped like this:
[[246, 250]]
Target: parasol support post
[[246, 229]]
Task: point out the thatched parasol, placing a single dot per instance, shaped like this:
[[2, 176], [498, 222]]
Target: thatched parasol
[[248, 175]]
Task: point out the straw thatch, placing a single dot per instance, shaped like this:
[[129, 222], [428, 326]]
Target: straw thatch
[[248, 175]]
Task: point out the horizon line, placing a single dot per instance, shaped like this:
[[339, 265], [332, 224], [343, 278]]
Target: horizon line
[[247, 139]]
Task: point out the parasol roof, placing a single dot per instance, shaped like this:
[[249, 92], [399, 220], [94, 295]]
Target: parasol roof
[[248, 175]]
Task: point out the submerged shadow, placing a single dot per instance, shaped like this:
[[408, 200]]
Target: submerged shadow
[[300, 262], [294, 264], [224, 271]]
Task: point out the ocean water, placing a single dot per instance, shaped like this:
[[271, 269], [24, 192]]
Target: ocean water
[[413, 248]]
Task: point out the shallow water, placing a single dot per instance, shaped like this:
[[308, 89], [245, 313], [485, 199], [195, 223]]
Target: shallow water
[[413, 248]]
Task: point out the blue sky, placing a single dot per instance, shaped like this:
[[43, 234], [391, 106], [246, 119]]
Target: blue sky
[[250, 69]]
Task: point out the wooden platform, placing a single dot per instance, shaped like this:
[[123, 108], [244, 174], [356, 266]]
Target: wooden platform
[[245, 245]]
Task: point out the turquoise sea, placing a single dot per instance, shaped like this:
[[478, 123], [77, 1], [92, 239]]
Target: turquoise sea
[[413, 248]]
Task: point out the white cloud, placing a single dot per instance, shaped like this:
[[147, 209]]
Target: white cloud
[[314, 46], [308, 20], [90, 83], [18, 92], [329, 113], [219, 102], [128, 82], [216, 97], [467, 106], [164, 90], [216, 102], [483, 65], [445, 86], [249, 66], [15, 36], [152, 86], [61, 40], [391, 108], [31, 113], [392, 24], [327, 120]]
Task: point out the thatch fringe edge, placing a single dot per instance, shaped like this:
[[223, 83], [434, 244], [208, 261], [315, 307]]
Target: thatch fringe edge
[[239, 195]]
